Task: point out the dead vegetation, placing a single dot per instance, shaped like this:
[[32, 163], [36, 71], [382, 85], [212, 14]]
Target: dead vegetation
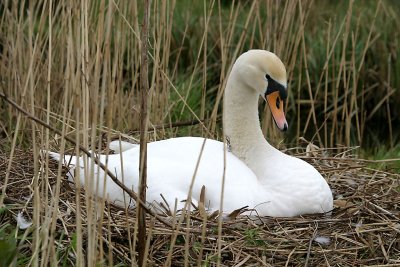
[[363, 229]]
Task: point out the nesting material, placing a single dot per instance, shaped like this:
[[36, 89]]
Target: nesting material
[[363, 229]]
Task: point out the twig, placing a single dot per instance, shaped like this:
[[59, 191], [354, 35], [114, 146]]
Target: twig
[[309, 246], [351, 159]]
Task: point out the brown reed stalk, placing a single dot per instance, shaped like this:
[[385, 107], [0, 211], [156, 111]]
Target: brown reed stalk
[[144, 92]]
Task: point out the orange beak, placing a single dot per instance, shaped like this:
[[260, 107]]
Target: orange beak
[[276, 105]]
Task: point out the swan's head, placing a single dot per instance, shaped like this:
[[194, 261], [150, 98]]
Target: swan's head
[[264, 72]]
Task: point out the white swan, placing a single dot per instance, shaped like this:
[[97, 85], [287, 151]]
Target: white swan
[[257, 175]]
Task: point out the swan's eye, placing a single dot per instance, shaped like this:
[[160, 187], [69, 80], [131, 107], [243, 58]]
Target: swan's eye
[[267, 76], [278, 102]]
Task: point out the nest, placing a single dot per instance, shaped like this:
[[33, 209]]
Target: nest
[[363, 229]]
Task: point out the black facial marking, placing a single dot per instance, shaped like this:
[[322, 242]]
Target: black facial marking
[[274, 86]]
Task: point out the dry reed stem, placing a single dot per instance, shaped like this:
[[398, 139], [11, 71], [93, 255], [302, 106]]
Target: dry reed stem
[[144, 117]]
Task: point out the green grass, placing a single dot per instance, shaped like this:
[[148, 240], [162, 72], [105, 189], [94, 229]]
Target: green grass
[[13, 244], [253, 238], [382, 153], [8, 246]]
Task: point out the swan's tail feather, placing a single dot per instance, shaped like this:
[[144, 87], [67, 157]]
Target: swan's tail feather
[[67, 160]]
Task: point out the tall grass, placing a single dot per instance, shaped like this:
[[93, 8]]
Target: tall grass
[[76, 65], [342, 64]]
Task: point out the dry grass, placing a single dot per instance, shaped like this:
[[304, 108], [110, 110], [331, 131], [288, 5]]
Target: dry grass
[[75, 65]]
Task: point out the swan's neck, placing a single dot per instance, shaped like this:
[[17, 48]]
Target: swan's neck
[[242, 125]]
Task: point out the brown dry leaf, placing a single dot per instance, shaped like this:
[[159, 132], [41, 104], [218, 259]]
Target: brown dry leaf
[[341, 203], [213, 215], [201, 207], [234, 214], [312, 150]]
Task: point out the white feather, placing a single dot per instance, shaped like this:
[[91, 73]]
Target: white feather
[[22, 222]]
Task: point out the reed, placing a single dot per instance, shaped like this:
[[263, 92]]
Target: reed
[[76, 65]]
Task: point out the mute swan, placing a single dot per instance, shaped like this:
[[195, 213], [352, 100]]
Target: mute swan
[[257, 175]]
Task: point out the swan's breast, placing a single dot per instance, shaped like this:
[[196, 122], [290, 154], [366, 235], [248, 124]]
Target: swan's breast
[[295, 187]]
